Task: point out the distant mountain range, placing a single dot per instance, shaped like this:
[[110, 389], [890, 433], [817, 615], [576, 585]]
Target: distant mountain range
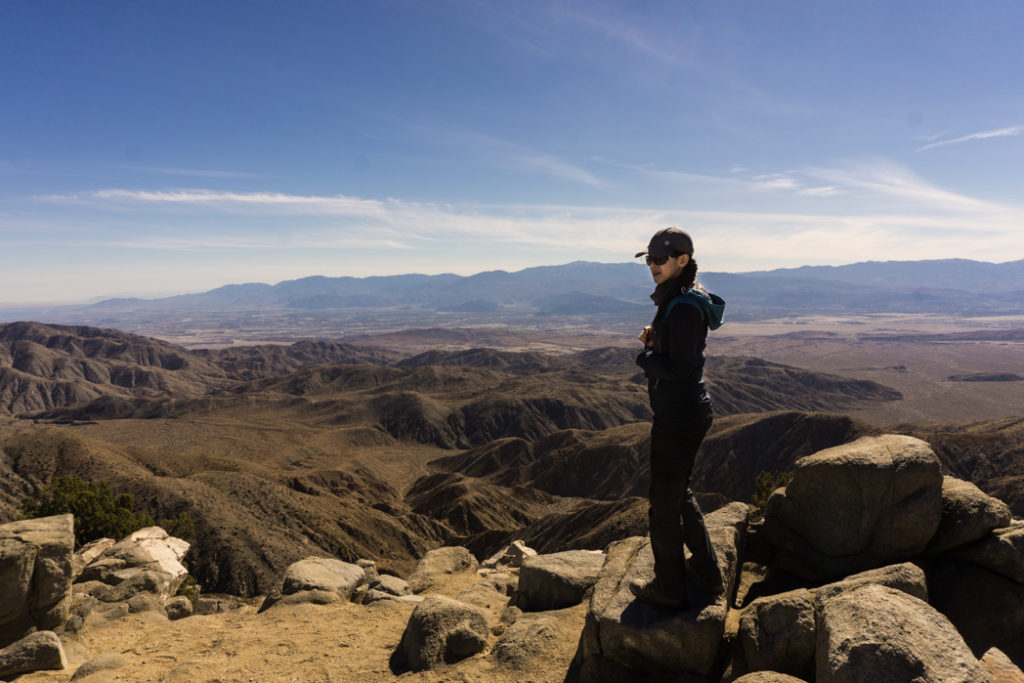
[[599, 292]]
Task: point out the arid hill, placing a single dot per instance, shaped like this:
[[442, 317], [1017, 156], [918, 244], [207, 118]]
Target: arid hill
[[48, 366], [282, 452]]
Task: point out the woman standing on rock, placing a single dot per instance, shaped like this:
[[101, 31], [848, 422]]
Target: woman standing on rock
[[673, 361]]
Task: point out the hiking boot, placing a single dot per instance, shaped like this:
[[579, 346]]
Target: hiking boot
[[652, 593], [712, 587]]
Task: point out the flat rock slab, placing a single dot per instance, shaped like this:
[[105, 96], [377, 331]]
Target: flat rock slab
[[877, 633], [323, 574], [646, 641], [557, 580], [40, 651]]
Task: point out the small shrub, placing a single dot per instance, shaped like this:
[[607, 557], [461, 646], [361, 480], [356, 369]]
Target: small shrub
[[98, 511], [765, 483], [190, 589], [181, 526]]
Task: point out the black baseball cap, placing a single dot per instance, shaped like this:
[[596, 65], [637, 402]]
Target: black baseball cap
[[667, 241]]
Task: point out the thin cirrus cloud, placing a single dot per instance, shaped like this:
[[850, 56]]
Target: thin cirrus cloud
[[1009, 131], [735, 239]]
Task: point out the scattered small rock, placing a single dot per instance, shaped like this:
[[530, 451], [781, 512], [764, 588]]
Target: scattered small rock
[[104, 662], [178, 607], [511, 555]]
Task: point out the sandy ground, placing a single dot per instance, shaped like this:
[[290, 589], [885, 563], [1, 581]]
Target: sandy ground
[[340, 642]]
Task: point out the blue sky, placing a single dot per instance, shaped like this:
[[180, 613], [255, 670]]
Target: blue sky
[[161, 147]]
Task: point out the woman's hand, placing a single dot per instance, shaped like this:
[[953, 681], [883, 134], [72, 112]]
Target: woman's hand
[[646, 337]]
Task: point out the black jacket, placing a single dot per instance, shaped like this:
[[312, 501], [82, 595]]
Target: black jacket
[[674, 365]]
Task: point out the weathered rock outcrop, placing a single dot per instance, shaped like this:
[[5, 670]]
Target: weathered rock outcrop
[[779, 632], [147, 560], [440, 561], [849, 508], [35, 575], [624, 638]]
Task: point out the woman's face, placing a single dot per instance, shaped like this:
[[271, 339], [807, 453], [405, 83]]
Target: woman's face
[[669, 269]]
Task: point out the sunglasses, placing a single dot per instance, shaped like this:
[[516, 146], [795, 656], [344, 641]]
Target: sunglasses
[[656, 260]]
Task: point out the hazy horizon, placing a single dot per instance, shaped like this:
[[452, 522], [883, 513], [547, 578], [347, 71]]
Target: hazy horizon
[[10, 306]]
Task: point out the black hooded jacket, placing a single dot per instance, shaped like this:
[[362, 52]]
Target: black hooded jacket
[[674, 362]]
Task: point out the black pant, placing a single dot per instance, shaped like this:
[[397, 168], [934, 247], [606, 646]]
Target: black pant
[[675, 516]]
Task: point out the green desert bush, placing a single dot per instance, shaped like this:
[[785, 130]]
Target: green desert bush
[[99, 511]]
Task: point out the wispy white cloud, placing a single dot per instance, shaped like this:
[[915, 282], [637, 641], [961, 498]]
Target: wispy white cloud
[[983, 135], [790, 237], [192, 172], [891, 180], [775, 181]]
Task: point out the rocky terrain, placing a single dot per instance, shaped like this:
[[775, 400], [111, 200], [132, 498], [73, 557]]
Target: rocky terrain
[[373, 452], [826, 588]]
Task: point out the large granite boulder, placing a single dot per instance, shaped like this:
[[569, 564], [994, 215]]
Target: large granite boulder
[[849, 508], [147, 560], [968, 514], [557, 580], [439, 562], [625, 638], [35, 575], [39, 651], [440, 630], [877, 633]]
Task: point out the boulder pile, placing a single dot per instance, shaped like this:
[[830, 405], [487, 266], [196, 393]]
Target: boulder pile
[[869, 565], [49, 589]]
